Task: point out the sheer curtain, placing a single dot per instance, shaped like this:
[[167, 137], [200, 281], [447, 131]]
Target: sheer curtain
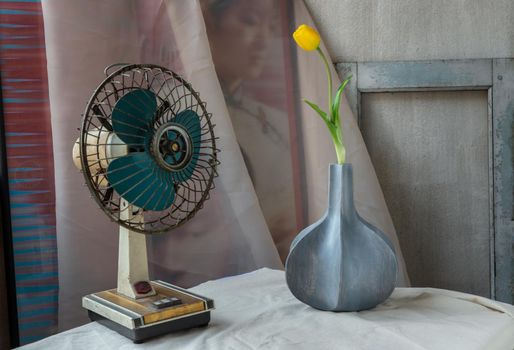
[[274, 154]]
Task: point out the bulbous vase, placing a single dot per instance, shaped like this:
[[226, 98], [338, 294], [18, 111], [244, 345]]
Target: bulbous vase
[[341, 262]]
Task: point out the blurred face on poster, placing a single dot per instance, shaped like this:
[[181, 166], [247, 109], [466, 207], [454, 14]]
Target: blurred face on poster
[[247, 49], [239, 33]]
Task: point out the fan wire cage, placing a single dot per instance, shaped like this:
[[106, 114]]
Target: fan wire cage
[[188, 176]]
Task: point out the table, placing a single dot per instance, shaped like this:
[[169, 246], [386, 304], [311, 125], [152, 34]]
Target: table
[[257, 311]]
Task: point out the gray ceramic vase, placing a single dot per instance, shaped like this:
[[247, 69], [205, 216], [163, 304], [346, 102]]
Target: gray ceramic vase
[[341, 262]]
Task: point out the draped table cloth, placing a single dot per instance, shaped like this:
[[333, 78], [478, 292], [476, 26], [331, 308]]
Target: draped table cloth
[[257, 311]]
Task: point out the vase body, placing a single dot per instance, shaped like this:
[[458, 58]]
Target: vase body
[[341, 262]]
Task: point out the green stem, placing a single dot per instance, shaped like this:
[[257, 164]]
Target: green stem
[[340, 151], [329, 76], [337, 139], [333, 122]]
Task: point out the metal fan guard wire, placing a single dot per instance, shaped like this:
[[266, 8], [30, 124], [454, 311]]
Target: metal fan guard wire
[[179, 95]]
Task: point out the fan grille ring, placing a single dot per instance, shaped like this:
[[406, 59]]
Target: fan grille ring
[[173, 96]]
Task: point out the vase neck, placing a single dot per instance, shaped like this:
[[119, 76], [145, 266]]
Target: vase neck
[[340, 190]]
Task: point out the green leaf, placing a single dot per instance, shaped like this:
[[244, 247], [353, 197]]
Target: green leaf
[[337, 100], [333, 129], [318, 110]]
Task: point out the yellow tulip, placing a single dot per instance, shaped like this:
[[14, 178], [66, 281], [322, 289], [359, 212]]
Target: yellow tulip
[[306, 37]]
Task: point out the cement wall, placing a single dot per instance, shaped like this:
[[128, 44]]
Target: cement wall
[[383, 30]]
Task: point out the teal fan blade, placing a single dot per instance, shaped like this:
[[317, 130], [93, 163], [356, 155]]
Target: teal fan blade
[[132, 116], [141, 182], [137, 177]]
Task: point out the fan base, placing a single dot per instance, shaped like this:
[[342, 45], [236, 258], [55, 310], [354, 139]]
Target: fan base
[[140, 335], [142, 319]]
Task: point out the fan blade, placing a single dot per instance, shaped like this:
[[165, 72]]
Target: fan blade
[[132, 116], [141, 182], [190, 121]]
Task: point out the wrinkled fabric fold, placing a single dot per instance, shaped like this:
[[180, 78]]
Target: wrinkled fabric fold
[[257, 311]]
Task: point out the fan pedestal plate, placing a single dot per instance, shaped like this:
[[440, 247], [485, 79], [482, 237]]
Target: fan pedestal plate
[[159, 309], [148, 154]]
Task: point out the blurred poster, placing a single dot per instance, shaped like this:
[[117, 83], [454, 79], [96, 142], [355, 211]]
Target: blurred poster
[[249, 43]]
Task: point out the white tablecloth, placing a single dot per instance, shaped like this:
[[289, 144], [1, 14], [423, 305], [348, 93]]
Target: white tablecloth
[[257, 311]]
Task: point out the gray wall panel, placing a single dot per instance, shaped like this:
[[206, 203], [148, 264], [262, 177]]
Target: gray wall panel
[[430, 152]]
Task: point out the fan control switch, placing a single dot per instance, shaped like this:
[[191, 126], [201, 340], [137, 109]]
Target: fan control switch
[[167, 302]]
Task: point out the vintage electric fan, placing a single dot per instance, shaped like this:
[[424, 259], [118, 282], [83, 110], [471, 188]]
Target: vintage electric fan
[[148, 154]]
